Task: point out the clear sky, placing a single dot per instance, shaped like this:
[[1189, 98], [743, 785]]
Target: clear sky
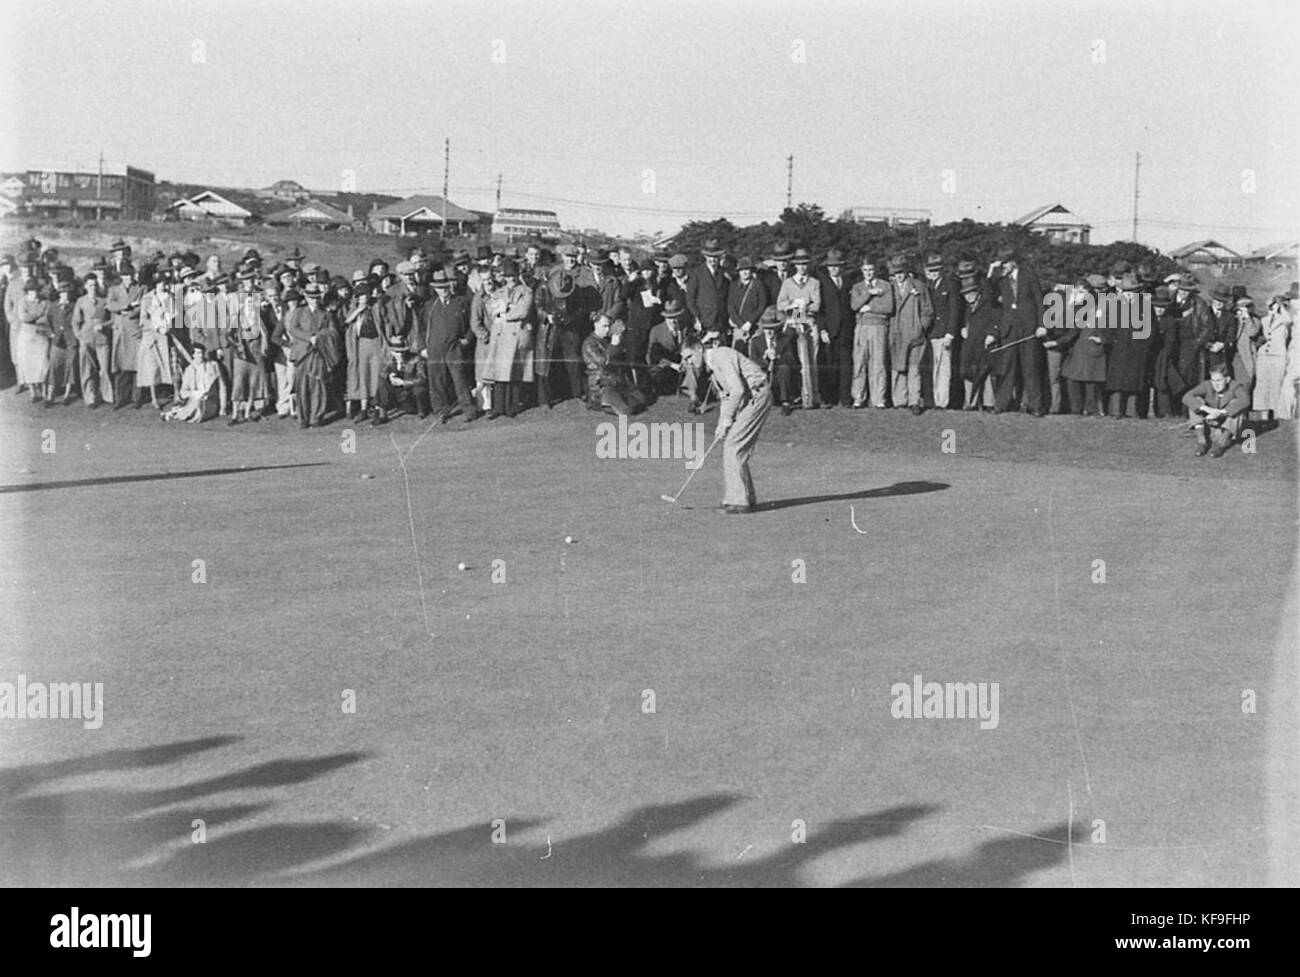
[[572, 102]]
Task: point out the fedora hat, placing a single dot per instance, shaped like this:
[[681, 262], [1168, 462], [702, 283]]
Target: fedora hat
[[745, 263], [1221, 293], [934, 262], [967, 267], [439, 279], [678, 261], [1188, 283], [897, 264], [771, 318], [834, 258], [712, 249], [780, 251], [673, 309], [801, 256], [1161, 298]]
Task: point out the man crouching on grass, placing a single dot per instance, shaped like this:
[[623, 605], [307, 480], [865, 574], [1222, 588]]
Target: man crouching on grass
[[1217, 406], [746, 400]]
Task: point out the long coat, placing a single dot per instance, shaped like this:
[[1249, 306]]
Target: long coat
[[1085, 360], [913, 317], [126, 324], [510, 350], [153, 357], [1129, 360]]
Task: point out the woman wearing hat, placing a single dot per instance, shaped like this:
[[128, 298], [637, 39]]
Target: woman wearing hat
[[364, 345], [125, 300], [1270, 357], [33, 359], [1083, 367], [153, 355]]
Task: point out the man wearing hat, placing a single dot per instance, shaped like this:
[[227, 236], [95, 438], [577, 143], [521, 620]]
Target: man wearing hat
[[746, 300], [1085, 339], [949, 306], [671, 369], [706, 290], [402, 380], [315, 353], [1245, 334], [1019, 298], [153, 357], [1129, 326], [777, 268], [119, 254], [1175, 367], [773, 348], [508, 364], [610, 289], [446, 344], [800, 298], [93, 323], [124, 301], [573, 317], [63, 346], [871, 300], [676, 286], [912, 321], [838, 326], [746, 400]]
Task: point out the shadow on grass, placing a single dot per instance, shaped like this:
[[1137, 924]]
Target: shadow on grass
[[898, 488], [91, 836], [153, 477]]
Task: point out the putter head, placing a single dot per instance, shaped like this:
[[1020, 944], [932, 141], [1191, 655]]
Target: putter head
[[667, 498]]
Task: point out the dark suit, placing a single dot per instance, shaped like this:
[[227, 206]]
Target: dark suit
[[443, 336], [745, 303], [1020, 307], [783, 361], [838, 320], [706, 297]]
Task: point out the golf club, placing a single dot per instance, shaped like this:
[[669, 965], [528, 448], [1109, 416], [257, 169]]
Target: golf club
[[999, 349], [674, 498]]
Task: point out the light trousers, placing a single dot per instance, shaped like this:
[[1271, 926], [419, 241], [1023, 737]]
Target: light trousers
[[739, 446], [869, 350]]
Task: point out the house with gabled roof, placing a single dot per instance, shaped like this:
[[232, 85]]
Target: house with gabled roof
[[426, 212], [1057, 223]]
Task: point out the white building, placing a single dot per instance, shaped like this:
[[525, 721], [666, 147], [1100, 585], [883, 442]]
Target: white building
[[892, 216], [514, 222]]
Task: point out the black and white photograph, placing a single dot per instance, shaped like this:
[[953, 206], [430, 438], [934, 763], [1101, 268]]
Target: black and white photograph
[[600, 444]]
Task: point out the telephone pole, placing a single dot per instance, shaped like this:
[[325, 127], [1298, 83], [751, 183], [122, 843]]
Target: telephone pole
[[498, 192], [789, 181], [99, 190], [1137, 166], [446, 171]]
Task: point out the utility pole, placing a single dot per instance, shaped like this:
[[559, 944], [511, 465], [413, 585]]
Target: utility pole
[[498, 192], [99, 189], [789, 181], [1137, 166], [446, 171]]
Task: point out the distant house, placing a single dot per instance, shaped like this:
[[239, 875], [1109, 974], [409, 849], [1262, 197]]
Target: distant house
[[208, 205], [1057, 224], [13, 185], [313, 213], [514, 222], [1280, 254], [1207, 252], [891, 216], [286, 190], [425, 212]]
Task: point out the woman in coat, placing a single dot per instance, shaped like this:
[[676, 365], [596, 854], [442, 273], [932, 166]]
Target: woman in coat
[[124, 301], [153, 358], [33, 338], [508, 362], [1270, 357], [1084, 365], [1130, 334], [367, 353], [549, 297]]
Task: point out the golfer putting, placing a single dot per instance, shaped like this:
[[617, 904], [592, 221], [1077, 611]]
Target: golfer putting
[[746, 398]]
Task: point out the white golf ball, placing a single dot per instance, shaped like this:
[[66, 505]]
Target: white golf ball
[[568, 539], [462, 566]]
